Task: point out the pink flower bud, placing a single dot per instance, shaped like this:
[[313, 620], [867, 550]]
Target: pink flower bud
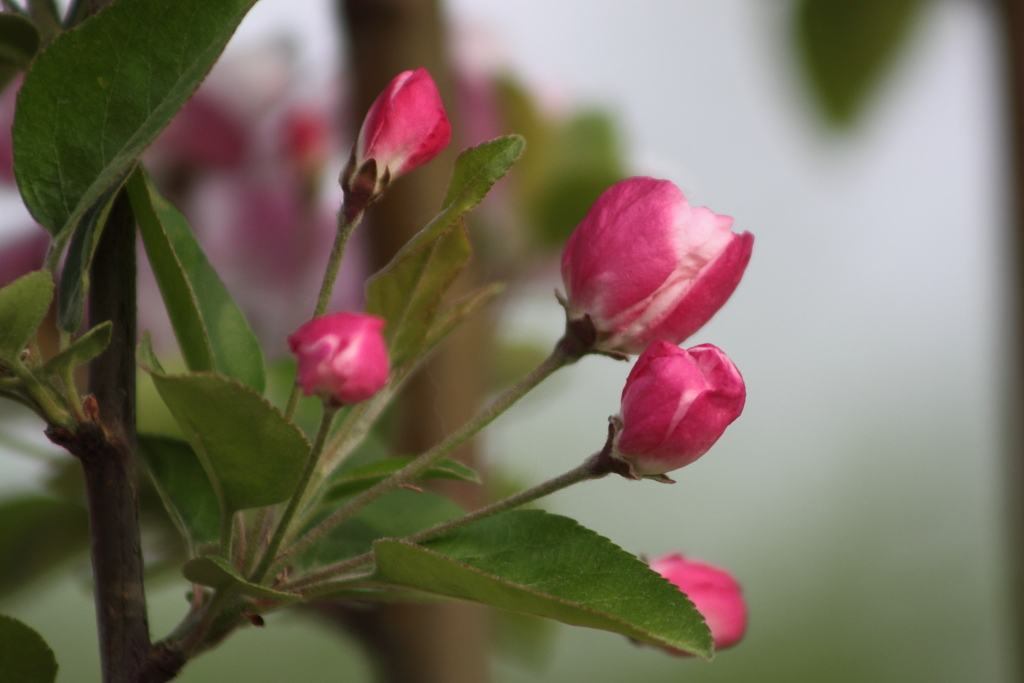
[[342, 356], [644, 265], [675, 406], [713, 591], [405, 128]]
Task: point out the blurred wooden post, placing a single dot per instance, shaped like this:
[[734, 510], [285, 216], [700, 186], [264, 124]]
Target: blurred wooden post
[[1011, 14], [443, 643]]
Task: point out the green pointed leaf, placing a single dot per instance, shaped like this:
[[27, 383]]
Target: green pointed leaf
[[846, 47], [251, 453], [23, 305], [212, 331], [216, 572], [408, 291], [478, 168], [99, 94], [82, 350], [399, 513], [537, 563], [184, 489], [19, 41], [74, 279], [36, 535], [360, 478], [408, 294], [24, 655]]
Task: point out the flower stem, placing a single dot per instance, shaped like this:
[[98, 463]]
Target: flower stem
[[330, 410], [49, 404], [594, 467], [413, 470], [346, 224]]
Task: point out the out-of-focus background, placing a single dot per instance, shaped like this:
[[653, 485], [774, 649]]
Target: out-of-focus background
[[859, 497]]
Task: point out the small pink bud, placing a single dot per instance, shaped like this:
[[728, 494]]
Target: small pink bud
[[675, 406], [644, 265], [713, 591], [341, 356], [405, 128]]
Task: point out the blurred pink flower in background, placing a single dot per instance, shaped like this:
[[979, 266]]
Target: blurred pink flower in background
[[246, 160]]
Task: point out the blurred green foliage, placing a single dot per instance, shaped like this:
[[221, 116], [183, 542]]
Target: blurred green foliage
[[846, 47]]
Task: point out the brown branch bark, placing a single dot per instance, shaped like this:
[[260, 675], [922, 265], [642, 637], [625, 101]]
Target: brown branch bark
[[106, 449], [443, 643], [1011, 15]]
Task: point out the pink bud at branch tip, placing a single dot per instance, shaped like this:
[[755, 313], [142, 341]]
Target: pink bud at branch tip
[[341, 357], [643, 265], [675, 406], [405, 128], [713, 591]]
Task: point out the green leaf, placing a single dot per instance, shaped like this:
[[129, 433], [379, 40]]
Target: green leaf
[[19, 41], [846, 47], [37, 534], [212, 331], [537, 563], [146, 357], [24, 655], [82, 350], [251, 453], [360, 478], [23, 305], [184, 489], [408, 291], [217, 572], [399, 513], [74, 280], [99, 94], [478, 168]]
